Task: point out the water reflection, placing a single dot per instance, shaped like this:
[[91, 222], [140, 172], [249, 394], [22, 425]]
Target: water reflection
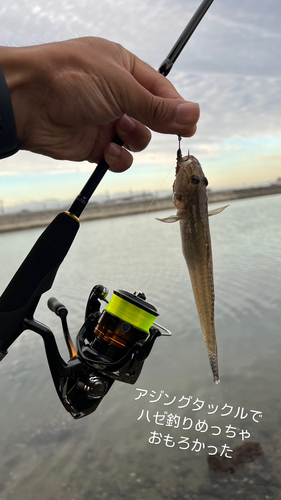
[[46, 454]]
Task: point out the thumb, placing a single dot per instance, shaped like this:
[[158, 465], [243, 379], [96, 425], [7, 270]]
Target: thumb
[[164, 115]]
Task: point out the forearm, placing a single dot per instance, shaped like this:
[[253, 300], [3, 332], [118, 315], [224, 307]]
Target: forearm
[[20, 68], [14, 65], [9, 143]]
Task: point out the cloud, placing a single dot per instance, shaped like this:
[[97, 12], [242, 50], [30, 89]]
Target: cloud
[[235, 105], [230, 66]]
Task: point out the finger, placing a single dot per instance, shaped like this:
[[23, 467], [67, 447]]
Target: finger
[[118, 158], [135, 136], [164, 115], [190, 133], [152, 80], [167, 116]]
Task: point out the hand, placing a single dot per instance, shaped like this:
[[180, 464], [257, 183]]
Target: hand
[[71, 98]]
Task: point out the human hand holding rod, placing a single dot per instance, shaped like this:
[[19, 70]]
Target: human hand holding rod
[[72, 98]]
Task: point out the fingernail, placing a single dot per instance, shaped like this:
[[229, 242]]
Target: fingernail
[[114, 150], [127, 124], [187, 113]]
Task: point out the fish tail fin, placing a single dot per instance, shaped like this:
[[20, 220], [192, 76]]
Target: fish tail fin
[[213, 359]]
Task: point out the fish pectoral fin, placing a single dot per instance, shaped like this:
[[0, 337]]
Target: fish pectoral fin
[[171, 218], [217, 211]]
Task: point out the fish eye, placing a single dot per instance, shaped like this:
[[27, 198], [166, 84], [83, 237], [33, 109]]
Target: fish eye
[[195, 179], [205, 180]]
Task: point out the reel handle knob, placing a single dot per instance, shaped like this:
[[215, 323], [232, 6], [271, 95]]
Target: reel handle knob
[[57, 307]]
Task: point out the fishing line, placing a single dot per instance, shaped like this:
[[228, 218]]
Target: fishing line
[[159, 189], [179, 139], [195, 99], [205, 90]]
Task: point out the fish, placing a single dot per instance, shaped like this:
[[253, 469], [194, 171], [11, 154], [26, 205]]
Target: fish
[[190, 199]]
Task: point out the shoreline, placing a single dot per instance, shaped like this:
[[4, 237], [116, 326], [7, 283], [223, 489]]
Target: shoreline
[[118, 208]]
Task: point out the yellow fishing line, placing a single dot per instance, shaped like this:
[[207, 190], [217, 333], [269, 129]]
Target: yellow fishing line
[[130, 313]]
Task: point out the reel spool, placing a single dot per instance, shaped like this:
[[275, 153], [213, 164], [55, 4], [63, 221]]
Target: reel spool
[[126, 320]]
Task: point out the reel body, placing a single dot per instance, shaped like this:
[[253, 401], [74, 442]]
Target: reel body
[[111, 345]]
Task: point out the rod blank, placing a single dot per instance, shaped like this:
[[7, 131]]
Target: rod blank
[[167, 64]]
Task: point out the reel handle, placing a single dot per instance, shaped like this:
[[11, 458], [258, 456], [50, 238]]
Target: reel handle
[[57, 307]]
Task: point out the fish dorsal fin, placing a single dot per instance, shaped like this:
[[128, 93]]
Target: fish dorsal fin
[[217, 211], [171, 218]]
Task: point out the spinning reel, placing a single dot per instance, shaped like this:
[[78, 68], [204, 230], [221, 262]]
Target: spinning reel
[[111, 345]]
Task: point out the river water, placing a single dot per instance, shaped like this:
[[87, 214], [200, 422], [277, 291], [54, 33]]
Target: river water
[[169, 435]]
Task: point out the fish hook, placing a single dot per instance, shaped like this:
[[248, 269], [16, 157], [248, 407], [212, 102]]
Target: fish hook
[[179, 153]]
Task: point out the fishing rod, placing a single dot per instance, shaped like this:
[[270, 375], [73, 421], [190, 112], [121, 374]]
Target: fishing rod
[[112, 344]]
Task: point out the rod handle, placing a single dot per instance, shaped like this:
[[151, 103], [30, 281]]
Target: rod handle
[[34, 277]]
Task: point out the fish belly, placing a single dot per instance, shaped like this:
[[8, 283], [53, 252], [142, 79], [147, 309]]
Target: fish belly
[[197, 252]]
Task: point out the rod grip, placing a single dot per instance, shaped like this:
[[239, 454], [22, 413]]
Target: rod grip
[[34, 277]]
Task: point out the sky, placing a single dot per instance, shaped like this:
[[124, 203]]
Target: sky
[[231, 66]]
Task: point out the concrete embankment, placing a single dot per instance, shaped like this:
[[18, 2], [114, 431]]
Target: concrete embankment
[[235, 194], [26, 220]]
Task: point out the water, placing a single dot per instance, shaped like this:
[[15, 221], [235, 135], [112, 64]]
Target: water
[[46, 454]]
